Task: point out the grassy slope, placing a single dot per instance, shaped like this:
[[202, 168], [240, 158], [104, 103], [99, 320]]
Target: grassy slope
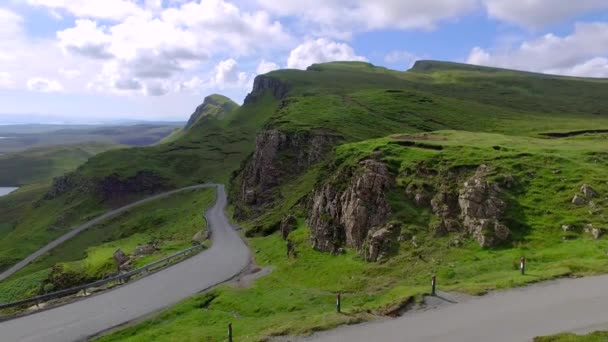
[[44, 163], [172, 221], [362, 103], [298, 296], [210, 150]]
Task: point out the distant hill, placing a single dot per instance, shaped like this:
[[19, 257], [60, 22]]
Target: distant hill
[[42, 164], [21, 137]]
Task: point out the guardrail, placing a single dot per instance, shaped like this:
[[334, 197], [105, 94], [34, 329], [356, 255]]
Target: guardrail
[[121, 278]]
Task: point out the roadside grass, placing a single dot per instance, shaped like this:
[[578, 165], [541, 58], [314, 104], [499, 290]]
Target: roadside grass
[[298, 297], [172, 221], [598, 336]]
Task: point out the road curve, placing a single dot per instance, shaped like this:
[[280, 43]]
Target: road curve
[[567, 305], [227, 257], [79, 229]]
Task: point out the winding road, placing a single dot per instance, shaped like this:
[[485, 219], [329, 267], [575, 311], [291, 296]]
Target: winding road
[[578, 305], [227, 257], [518, 315]]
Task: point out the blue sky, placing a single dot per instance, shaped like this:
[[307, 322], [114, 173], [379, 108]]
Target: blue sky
[[96, 60]]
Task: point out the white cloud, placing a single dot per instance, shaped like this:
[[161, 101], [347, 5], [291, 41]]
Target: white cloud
[[6, 80], [170, 44], [341, 17], [69, 73], [228, 75], [539, 13], [319, 51], [43, 85], [86, 39], [102, 9], [10, 23], [266, 67], [574, 54], [157, 88]]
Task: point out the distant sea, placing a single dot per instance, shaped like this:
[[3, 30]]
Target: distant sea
[[6, 191]]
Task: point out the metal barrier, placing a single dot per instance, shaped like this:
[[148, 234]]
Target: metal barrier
[[121, 278]]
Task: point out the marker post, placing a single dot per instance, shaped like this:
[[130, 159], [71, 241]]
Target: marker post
[[433, 285], [230, 332], [338, 303], [522, 265]]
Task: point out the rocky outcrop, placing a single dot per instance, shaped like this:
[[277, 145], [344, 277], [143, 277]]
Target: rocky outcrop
[[68, 182], [482, 210], [345, 210], [278, 154], [110, 188], [578, 200], [263, 83], [382, 242], [445, 206], [114, 187]]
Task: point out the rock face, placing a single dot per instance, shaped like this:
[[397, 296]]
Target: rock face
[[278, 154], [110, 188], [288, 224], [380, 243], [482, 209], [264, 83], [344, 214]]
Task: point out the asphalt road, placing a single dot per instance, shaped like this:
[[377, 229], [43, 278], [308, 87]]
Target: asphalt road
[[79, 229], [567, 305], [227, 257]]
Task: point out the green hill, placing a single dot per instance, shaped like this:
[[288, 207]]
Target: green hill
[[44, 163], [368, 164]]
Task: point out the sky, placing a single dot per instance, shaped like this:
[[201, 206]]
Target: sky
[[85, 61]]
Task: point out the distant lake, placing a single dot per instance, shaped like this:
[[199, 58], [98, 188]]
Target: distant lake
[[6, 191], [7, 137]]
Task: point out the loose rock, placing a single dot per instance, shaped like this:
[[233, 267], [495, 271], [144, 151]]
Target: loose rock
[[578, 200], [589, 192]]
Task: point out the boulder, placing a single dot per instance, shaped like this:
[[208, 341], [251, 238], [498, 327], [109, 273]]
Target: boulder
[[288, 224], [380, 243], [597, 233], [594, 208], [589, 192], [200, 236], [568, 228], [120, 257], [144, 250], [578, 200], [422, 199]]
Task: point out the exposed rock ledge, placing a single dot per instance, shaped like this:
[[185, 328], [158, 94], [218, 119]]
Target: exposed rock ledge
[[354, 215]]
